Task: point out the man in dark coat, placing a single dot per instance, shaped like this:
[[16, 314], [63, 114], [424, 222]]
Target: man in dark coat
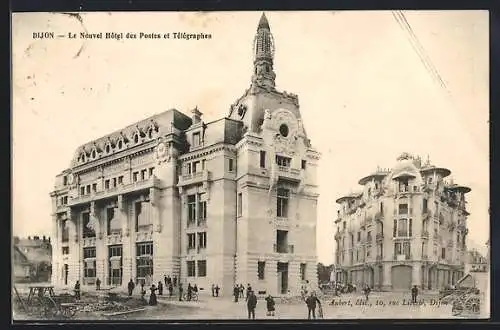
[[181, 290], [190, 292], [165, 278], [160, 288], [311, 302], [217, 290], [251, 304], [98, 284], [77, 290], [170, 289], [414, 294], [131, 287], [236, 293]]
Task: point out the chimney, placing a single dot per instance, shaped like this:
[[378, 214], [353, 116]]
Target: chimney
[[196, 115]]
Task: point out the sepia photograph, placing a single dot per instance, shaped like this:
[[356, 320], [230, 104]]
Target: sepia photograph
[[257, 165]]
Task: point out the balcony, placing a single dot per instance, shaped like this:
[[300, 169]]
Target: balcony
[[114, 238], [144, 233], [194, 178], [282, 222], [379, 236], [89, 241], [287, 173], [280, 248], [402, 257], [425, 234], [115, 191]]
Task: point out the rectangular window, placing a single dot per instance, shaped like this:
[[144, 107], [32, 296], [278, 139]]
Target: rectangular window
[[407, 249], [395, 228], [240, 204], [144, 249], [202, 268], [114, 182], [304, 162], [196, 139], [403, 228], [202, 240], [403, 209], [359, 236], [261, 269], [88, 189], [368, 251], [65, 180], [283, 161], [191, 241], [110, 214], [398, 249], [344, 225], [89, 252], [424, 205], [144, 268], [143, 174], [120, 179], [191, 208], [231, 165], [202, 208], [87, 232], [262, 159], [151, 171], [410, 223], [443, 253], [106, 184], [94, 187], [369, 236], [135, 176], [196, 167], [82, 190], [282, 202], [65, 250], [203, 164], [191, 272], [303, 271]]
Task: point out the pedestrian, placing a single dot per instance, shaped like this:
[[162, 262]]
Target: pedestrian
[[160, 288], [311, 303], [152, 297], [367, 291], [195, 288], [181, 290], [414, 294], [213, 290], [175, 281], [165, 278], [251, 304], [143, 291], [217, 290], [242, 290], [77, 290], [98, 284], [249, 289], [170, 289], [236, 293], [131, 287], [169, 280], [189, 292], [270, 305]]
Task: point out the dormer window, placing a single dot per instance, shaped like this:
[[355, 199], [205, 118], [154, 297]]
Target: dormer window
[[150, 133], [196, 139], [136, 137], [94, 154], [120, 145]]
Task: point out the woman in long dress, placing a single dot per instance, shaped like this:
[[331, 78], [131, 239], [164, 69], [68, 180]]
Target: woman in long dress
[[152, 298]]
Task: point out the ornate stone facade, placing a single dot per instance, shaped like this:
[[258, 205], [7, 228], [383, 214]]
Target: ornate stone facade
[[225, 202], [408, 226]]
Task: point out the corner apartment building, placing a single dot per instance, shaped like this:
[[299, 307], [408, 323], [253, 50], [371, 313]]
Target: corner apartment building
[[407, 226]]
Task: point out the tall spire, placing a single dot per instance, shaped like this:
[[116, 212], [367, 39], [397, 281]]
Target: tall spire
[[263, 55]]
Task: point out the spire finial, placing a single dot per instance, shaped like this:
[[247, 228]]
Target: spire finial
[[263, 23]]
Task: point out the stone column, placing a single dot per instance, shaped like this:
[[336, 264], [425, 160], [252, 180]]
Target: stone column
[[127, 270], [56, 250], [387, 281]]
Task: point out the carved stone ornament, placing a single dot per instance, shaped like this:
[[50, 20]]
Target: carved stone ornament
[[286, 126], [162, 152]]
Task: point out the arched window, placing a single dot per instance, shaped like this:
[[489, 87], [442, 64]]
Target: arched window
[[150, 133], [94, 154], [120, 144], [108, 149], [83, 157], [136, 138]]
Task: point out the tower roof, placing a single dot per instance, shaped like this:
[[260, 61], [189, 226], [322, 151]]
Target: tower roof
[[263, 23]]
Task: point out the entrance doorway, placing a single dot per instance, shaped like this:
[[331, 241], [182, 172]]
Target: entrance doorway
[[65, 274], [283, 277]]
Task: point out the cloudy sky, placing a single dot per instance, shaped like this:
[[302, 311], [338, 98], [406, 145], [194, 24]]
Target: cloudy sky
[[364, 92]]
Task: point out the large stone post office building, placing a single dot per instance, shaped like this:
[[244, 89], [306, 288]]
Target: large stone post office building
[[222, 202], [406, 226]]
